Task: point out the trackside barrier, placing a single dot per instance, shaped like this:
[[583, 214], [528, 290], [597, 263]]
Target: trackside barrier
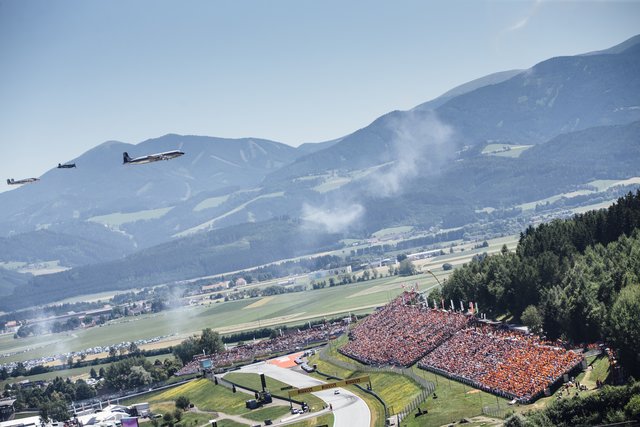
[[415, 403]]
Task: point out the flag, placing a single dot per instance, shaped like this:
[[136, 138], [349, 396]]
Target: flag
[[434, 304], [442, 301], [461, 307], [452, 307], [470, 307]]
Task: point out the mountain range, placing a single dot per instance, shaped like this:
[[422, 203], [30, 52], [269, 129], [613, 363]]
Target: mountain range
[[494, 143]]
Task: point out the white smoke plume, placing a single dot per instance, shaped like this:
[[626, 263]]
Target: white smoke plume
[[422, 144], [332, 219]]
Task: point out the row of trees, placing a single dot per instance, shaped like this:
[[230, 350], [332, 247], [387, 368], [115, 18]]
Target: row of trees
[[577, 279], [58, 390], [609, 406], [209, 342], [134, 372]]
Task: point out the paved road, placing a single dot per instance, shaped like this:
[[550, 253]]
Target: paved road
[[348, 409]]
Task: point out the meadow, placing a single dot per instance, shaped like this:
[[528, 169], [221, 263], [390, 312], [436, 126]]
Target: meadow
[[246, 314]]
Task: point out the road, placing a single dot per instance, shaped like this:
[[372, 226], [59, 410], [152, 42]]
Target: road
[[348, 409]]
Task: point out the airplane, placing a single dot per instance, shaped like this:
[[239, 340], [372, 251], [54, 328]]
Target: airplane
[[66, 166], [167, 155], [10, 181]]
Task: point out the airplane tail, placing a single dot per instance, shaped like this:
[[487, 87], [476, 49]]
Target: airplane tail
[[9, 181], [125, 158]]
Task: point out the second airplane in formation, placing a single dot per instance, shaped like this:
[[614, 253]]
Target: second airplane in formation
[[167, 155], [11, 181]]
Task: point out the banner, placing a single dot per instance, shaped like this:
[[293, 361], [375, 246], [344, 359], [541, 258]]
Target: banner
[[328, 386]]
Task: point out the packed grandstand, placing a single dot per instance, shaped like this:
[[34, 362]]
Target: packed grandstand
[[406, 331], [505, 362], [285, 343]]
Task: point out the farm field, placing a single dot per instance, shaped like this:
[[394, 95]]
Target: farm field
[[118, 218], [505, 150], [246, 314]]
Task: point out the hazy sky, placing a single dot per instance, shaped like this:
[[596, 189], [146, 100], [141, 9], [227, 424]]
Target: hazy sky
[[74, 74]]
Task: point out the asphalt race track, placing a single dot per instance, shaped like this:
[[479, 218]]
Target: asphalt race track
[[348, 409]]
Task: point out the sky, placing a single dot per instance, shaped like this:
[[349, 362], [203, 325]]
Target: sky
[[76, 73]]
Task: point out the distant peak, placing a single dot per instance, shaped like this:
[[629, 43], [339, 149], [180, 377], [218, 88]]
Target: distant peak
[[619, 48]]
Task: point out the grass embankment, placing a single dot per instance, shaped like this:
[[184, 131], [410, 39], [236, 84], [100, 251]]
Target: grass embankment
[[230, 423], [275, 386], [211, 402], [324, 419], [454, 401]]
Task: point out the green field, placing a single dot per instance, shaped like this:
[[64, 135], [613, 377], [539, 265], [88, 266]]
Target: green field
[[208, 224], [391, 231], [332, 184], [211, 202], [118, 218], [605, 184], [246, 314], [226, 317], [253, 381], [211, 402], [505, 150]]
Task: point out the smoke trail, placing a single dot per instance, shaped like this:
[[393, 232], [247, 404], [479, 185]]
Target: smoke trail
[[422, 144], [332, 219]]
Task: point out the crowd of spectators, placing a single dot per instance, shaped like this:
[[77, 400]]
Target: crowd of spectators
[[506, 362], [288, 341], [402, 332]]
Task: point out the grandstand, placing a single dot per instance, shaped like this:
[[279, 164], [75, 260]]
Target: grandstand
[[285, 343], [509, 363]]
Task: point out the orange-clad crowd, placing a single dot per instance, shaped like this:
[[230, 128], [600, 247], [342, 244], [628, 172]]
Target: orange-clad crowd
[[401, 332], [505, 362]]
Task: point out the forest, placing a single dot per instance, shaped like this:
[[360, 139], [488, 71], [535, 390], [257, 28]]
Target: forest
[[576, 279]]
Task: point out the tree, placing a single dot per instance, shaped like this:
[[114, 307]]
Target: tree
[[55, 409], [532, 319], [406, 268], [19, 370], [177, 414], [84, 390], [435, 295], [624, 327], [93, 374], [515, 420], [210, 341], [632, 408], [133, 349], [138, 376], [182, 402]]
